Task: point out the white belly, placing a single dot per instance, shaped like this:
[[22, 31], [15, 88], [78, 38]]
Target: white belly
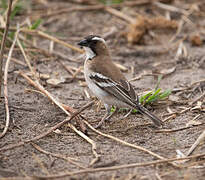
[[98, 92], [95, 89]]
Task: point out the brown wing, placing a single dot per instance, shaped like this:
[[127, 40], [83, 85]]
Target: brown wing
[[115, 76], [114, 88], [129, 88]]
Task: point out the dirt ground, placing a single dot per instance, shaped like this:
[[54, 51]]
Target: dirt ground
[[180, 60]]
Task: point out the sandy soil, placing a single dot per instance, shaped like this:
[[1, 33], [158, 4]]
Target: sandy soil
[[32, 113]]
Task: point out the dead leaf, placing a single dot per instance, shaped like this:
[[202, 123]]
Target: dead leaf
[[137, 30], [55, 82], [196, 40], [168, 71]]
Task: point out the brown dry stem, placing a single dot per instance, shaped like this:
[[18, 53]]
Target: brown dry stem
[[199, 140], [126, 143], [6, 88], [69, 159], [120, 167], [49, 131], [38, 86], [46, 36], [3, 41]]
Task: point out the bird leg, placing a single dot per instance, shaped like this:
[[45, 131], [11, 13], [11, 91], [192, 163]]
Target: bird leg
[[107, 115]]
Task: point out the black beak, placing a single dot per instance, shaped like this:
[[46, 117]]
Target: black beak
[[83, 43]]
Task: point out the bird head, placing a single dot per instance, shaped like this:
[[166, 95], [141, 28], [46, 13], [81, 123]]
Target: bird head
[[94, 46]]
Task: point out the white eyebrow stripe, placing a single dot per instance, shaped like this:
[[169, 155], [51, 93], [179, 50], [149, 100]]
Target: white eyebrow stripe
[[99, 39]]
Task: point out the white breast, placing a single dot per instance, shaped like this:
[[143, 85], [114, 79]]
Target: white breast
[[89, 53], [98, 92]]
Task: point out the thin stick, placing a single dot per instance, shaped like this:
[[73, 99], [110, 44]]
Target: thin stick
[[120, 167], [91, 7], [5, 86], [178, 129], [59, 41], [69, 159], [38, 86], [120, 14], [196, 143], [90, 141], [4, 40], [66, 68], [198, 98], [40, 163], [126, 143], [26, 58], [170, 8], [5, 148], [16, 61], [44, 35], [44, 51]]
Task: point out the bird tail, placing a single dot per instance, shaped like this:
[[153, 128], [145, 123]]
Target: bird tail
[[157, 122]]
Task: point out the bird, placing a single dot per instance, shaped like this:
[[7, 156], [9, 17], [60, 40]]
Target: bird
[[106, 81]]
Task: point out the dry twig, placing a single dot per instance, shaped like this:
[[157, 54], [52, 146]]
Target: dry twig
[[11, 146], [126, 143], [5, 86], [69, 159], [46, 36], [177, 129], [119, 167], [38, 86], [4, 40], [94, 7], [198, 98], [200, 139]]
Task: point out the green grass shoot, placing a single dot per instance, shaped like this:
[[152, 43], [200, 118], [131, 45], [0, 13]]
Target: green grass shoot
[[109, 2], [151, 97], [36, 24]]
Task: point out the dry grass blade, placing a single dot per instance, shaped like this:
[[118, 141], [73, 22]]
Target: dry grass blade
[[3, 41], [26, 58], [171, 8], [94, 147], [59, 41], [38, 86], [69, 159], [177, 129], [5, 86], [40, 163], [44, 35], [199, 140], [126, 143], [49, 131], [16, 61], [198, 98], [120, 14], [119, 167]]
